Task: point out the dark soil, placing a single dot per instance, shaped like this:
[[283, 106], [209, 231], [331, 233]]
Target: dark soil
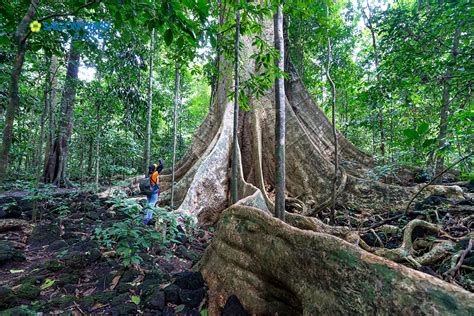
[[55, 265]]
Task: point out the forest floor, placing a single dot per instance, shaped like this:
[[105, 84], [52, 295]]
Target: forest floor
[[73, 251], [57, 263]]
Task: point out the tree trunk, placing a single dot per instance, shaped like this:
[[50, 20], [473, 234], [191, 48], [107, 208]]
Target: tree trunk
[[83, 151], [369, 25], [235, 139], [443, 122], [54, 68], [176, 104], [150, 104], [55, 169], [334, 132], [98, 138], [280, 122], [90, 152], [44, 116], [14, 98], [97, 152]]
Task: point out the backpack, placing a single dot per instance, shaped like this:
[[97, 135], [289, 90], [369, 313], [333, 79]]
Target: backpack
[[147, 187]]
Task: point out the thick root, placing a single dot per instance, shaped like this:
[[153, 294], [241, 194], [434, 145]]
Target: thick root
[[275, 267], [406, 251]]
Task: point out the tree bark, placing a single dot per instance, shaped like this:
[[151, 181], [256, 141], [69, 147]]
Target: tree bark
[[334, 132], [14, 98], [176, 104], [90, 154], [300, 268], [83, 151], [44, 115], [97, 149], [150, 104], [280, 122], [54, 68], [235, 139], [55, 169]]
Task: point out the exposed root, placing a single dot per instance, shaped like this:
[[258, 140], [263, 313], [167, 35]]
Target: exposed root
[[296, 206], [461, 255], [407, 252], [277, 267]]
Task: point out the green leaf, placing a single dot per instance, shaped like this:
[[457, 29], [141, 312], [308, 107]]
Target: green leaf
[[47, 284], [136, 299], [423, 128], [168, 37], [204, 312], [179, 308], [410, 133], [429, 142], [213, 41]]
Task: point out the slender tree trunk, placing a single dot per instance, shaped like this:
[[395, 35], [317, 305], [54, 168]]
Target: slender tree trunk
[[280, 117], [150, 104], [55, 169], [14, 98], [235, 139], [380, 119], [98, 139], [53, 69], [83, 152], [45, 115], [97, 150], [176, 104], [443, 123], [334, 132], [90, 154]]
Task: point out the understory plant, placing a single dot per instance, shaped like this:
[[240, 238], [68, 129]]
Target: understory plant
[[130, 236]]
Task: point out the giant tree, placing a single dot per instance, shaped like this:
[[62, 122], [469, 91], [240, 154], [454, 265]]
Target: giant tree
[[257, 249]]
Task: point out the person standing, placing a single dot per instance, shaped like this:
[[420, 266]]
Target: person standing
[[154, 191]]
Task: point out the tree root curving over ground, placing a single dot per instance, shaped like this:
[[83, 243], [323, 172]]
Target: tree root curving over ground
[[275, 267]]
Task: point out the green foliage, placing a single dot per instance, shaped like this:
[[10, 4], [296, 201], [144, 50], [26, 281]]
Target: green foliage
[[413, 46], [130, 236]]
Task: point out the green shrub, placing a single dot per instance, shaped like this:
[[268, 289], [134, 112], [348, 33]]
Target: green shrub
[[131, 236]]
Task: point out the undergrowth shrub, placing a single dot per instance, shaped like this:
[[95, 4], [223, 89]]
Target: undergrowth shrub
[[130, 236]]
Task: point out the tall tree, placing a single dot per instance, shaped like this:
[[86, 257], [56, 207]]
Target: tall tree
[[280, 116], [444, 112], [14, 98], [333, 112], [55, 171], [52, 100], [150, 103], [235, 139], [368, 19], [175, 119]]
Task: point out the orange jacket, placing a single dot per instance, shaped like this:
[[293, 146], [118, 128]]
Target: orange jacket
[[154, 178]]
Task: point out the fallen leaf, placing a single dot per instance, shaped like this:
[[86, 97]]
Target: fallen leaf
[[88, 292], [97, 306], [115, 281], [162, 286], [47, 284]]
